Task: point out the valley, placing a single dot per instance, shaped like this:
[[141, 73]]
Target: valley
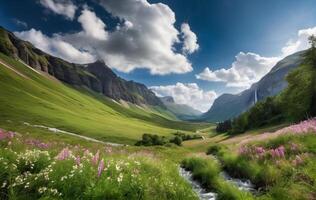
[[105, 100]]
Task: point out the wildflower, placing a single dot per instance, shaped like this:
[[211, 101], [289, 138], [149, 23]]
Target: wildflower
[[95, 158], [259, 150], [117, 167], [100, 167], [78, 160], [3, 134], [281, 151], [120, 178], [4, 184], [64, 154], [11, 134]]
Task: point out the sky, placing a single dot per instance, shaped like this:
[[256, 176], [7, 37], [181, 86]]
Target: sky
[[193, 50]]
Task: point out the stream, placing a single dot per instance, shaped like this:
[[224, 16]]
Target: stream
[[199, 190], [203, 194]]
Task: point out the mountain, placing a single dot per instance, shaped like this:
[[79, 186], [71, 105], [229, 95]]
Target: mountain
[[228, 106], [95, 76], [182, 111], [71, 97]]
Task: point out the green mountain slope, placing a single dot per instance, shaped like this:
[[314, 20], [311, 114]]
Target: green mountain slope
[[96, 76], [37, 98]]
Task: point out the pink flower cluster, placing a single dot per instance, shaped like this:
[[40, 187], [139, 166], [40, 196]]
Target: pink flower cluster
[[302, 127], [64, 154], [37, 143], [278, 152], [261, 152], [6, 134]]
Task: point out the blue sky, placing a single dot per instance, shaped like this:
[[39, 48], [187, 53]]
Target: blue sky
[[223, 29]]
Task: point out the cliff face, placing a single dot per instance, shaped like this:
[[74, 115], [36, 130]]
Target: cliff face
[[228, 106], [96, 76]]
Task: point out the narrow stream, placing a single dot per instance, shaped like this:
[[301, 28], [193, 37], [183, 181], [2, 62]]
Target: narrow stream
[[201, 192], [241, 184]]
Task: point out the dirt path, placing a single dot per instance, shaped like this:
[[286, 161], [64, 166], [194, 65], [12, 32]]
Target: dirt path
[[11, 68]]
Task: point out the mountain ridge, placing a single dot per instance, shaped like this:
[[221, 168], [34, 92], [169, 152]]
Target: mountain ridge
[[96, 76], [228, 106]]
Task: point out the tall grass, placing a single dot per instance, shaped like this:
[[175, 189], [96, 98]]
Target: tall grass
[[282, 167], [56, 170]]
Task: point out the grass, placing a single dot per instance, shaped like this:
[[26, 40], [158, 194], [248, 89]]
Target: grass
[[292, 176], [31, 171], [40, 99]]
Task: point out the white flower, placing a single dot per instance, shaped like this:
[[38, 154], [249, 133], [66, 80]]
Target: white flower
[[4, 184]]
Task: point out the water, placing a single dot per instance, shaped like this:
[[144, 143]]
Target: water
[[242, 184], [202, 193]]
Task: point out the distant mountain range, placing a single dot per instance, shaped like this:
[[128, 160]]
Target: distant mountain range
[[95, 76], [228, 106], [182, 111]]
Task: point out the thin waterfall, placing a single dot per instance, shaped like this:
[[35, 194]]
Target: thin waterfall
[[256, 97]]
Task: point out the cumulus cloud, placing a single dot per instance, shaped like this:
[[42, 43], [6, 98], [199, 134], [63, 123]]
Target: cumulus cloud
[[145, 37], [92, 25], [300, 43], [249, 68], [190, 44], [55, 46], [61, 7], [245, 70], [189, 94]]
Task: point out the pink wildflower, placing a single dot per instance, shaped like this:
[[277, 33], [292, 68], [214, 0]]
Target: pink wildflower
[[281, 151], [11, 134], [100, 167], [78, 160], [64, 154], [95, 158]]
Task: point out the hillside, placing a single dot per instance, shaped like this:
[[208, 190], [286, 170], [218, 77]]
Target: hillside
[[228, 106], [96, 76], [38, 98], [182, 111]]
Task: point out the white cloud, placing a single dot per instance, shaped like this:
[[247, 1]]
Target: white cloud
[[145, 37], [245, 70], [190, 44], [92, 25], [61, 7], [55, 46], [189, 94], [300, 43], [249, 68]]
